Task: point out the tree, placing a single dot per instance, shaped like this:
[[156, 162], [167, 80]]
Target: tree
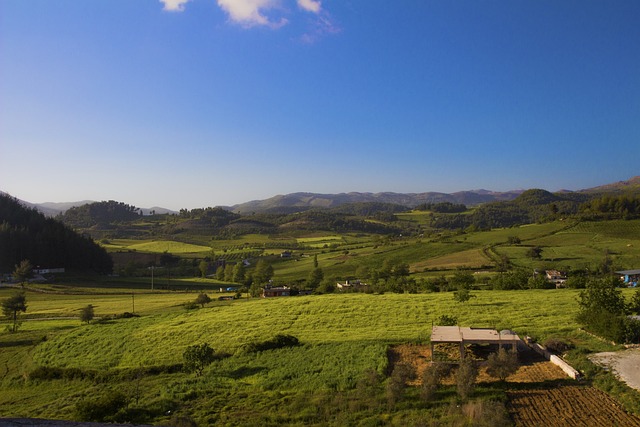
[[262, 273], [466, 378], [23, 271], [239, 272], [327, 286], [10, 308], [539, 281], [204, 268], [462, 279], [534, 252], [197, 357], [228, 273], [203, 299], [514, 240], [502, 364], [315, 277], [431, 379], [462, 295], [634, 305], [315, 261], [397, 383], [87, 314], [220, 273], [603, 308]]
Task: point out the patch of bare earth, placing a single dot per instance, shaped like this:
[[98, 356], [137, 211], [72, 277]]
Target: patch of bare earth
[[531, 401]]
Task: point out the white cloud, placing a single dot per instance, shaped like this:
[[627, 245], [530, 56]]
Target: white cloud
[[250, 13], [174, 5], [310, 5]]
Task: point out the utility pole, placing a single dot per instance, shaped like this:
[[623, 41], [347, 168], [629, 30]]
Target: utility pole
[[133, 300]]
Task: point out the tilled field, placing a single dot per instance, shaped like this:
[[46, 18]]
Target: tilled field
[[536, 398], [566, 406]]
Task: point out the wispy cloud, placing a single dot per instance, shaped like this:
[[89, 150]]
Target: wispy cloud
[[174, 5], [268, 13], [321, 27], [251, 13], [310, 5]]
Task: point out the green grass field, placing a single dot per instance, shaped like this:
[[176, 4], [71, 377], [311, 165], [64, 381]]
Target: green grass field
[[342, 337]]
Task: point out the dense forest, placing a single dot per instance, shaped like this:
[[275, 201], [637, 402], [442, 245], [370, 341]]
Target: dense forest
[[26, 234]]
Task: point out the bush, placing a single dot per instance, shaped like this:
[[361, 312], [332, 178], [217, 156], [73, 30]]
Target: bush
[[502, 364], [190, 305], [197, 357], [431, 379], [557, 346], [446, 320], [102, 409], [397, 383], [202, 299], [466, 378]]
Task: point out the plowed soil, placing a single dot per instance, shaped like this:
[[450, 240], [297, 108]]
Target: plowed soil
[[535, 398], [567, 406]]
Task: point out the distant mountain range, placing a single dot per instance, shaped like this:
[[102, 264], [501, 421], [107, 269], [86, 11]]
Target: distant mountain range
[[303, 201], [296, 202]]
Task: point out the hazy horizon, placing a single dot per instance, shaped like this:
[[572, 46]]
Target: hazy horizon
[[193, 103]]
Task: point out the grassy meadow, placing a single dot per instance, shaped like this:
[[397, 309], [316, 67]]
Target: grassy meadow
[[54, 364], [342, 337]]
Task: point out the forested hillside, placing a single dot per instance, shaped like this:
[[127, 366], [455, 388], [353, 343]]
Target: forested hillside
[[26, 234]]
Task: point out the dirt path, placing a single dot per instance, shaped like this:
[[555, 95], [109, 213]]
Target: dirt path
[[625, 364]]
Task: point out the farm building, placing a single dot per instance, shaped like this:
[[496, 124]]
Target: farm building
[[280, 291], [350, 284], [630, 277], [556, 277], [464, 335]]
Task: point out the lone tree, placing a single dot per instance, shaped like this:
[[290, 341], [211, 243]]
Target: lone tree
[[203, 299], [502, 364], [10, 308], [197, 357], [534, 252], [87, 314], [23, 271]]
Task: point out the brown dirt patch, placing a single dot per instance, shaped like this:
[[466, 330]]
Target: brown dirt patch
[[533, 367], [566, 406]]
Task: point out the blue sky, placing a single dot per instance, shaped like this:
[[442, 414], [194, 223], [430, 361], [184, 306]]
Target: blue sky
[[187, 104]]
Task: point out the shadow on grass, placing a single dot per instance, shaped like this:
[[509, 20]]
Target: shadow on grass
[[17, 343], [245, 371]]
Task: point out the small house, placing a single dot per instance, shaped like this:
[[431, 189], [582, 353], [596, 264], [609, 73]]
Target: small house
[[280, 291], [556, 277], [629, 277]]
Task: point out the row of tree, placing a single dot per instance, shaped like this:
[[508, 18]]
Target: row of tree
[[27, 234]]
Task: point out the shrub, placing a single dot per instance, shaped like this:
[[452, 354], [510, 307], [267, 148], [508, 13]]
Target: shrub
[[102, 409], [557, 346], [431, 379], [466, 378], [446, 320], [502, 364], [87, 314], [197, 357], [202, 299], [397, 383]]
